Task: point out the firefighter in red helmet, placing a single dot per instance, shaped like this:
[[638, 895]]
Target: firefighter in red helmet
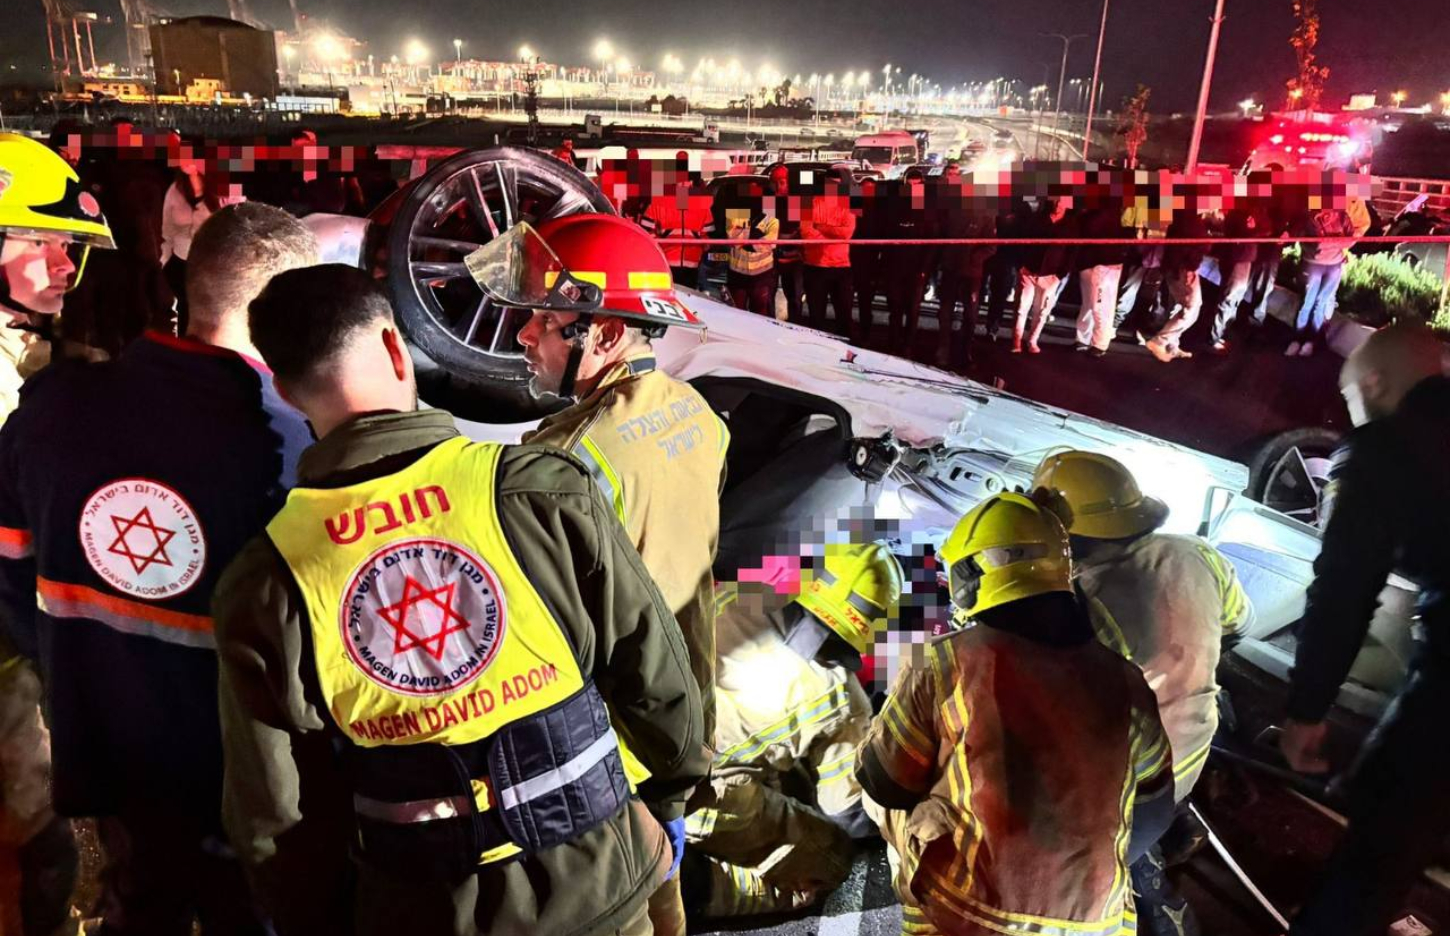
[[600, 291]]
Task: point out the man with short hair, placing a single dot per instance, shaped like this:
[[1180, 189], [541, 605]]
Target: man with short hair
[[1388, 508], [125, 488], [471, 732], [652, 443], [1180, 276]]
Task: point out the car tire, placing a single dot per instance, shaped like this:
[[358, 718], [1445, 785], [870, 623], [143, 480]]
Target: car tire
[[1277, 476], [466, 349]]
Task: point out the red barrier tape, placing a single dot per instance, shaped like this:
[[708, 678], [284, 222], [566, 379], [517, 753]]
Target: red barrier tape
[[1032, 241]]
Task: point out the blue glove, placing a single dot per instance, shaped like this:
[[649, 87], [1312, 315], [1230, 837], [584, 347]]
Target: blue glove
[[675, 831]]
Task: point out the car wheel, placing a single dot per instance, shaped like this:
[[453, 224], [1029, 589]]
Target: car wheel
[[477, 368], [1289, 471]]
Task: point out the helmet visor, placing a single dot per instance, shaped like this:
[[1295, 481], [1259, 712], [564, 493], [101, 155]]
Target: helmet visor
[[519, 269], [967, 573]]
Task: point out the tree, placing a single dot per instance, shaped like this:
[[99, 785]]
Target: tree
[[1134, 125], [1307, 87]]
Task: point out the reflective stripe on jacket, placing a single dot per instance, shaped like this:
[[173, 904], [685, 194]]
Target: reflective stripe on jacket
[[427, 631], [1170, 601], [776, 711], [1026, 759]]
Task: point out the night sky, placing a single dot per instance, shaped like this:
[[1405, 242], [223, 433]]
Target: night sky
[[1378, 46]]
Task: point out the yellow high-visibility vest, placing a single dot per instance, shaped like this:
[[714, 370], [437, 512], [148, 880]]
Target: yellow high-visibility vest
[[426, 629]]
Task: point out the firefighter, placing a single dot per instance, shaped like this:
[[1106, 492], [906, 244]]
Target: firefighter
[[126, 487], [789, 708], [47, 226], [439, 653], [1166, 602], [1013, 759], [1388, 507], [600, 290]]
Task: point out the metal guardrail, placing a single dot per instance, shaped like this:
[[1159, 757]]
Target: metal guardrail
[[1397, 192]]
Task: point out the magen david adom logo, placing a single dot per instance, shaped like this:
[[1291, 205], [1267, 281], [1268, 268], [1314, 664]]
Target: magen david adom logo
[[143, 538], [422, 617]]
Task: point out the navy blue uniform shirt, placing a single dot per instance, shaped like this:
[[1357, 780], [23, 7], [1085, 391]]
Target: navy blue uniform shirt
[[125, 490]]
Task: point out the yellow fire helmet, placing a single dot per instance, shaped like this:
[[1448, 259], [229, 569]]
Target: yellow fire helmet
[[41, 194], [1096, 496], [1005, 549], [853, 590]]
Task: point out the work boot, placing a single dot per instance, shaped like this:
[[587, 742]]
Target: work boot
[[1160, 351]]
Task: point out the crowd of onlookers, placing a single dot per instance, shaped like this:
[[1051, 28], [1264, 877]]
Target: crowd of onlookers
[[1152, 291], [156, 191], [1155, 289]]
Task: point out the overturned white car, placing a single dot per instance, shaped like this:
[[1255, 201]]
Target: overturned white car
[[825, 436]]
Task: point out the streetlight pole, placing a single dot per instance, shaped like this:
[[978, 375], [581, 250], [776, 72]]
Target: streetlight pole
[[1067, 41], [1193, 146], [1087, 133]]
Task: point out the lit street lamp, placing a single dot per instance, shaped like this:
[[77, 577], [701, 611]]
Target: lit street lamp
[[458, 49], [1398, 97], [1248, 106], [526, 53]]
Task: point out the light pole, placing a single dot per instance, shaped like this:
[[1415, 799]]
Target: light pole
[[1087, 132], [1067, 42], [458, 50], [1192, 164]]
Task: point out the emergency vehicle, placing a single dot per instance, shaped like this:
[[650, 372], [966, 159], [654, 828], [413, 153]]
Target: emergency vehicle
[[889, 153], [1315, 141]]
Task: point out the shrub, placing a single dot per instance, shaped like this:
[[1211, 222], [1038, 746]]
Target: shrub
[[1380, 288]]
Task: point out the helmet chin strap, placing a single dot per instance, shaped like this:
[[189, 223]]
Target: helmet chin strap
[[576, 332]]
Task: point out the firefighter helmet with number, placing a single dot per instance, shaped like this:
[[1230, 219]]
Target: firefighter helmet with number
[[853, 590], [1005, 549], [594, 264], [40, 194], [1096, 496]]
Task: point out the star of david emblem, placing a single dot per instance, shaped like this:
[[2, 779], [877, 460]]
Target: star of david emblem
[[415, 594], [148, 547]]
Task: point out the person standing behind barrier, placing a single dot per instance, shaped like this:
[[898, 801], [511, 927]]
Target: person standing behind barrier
[[788, 257], [1100, 268], [681, 210], [1323, 266], [1236, 261], [1267, 259], [962, 272], [867, 260], [908, 266], [1043, 267], [828, 266], [1180, 274], [1002, 267], [752, 266]]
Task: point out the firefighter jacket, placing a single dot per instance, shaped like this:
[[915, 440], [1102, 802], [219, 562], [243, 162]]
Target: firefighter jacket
[[682, 214], [984, 851], [1388, 507], [22, 353], [125, 489], [292, 805], [657, 452], [1169, 602], [777, 714]]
